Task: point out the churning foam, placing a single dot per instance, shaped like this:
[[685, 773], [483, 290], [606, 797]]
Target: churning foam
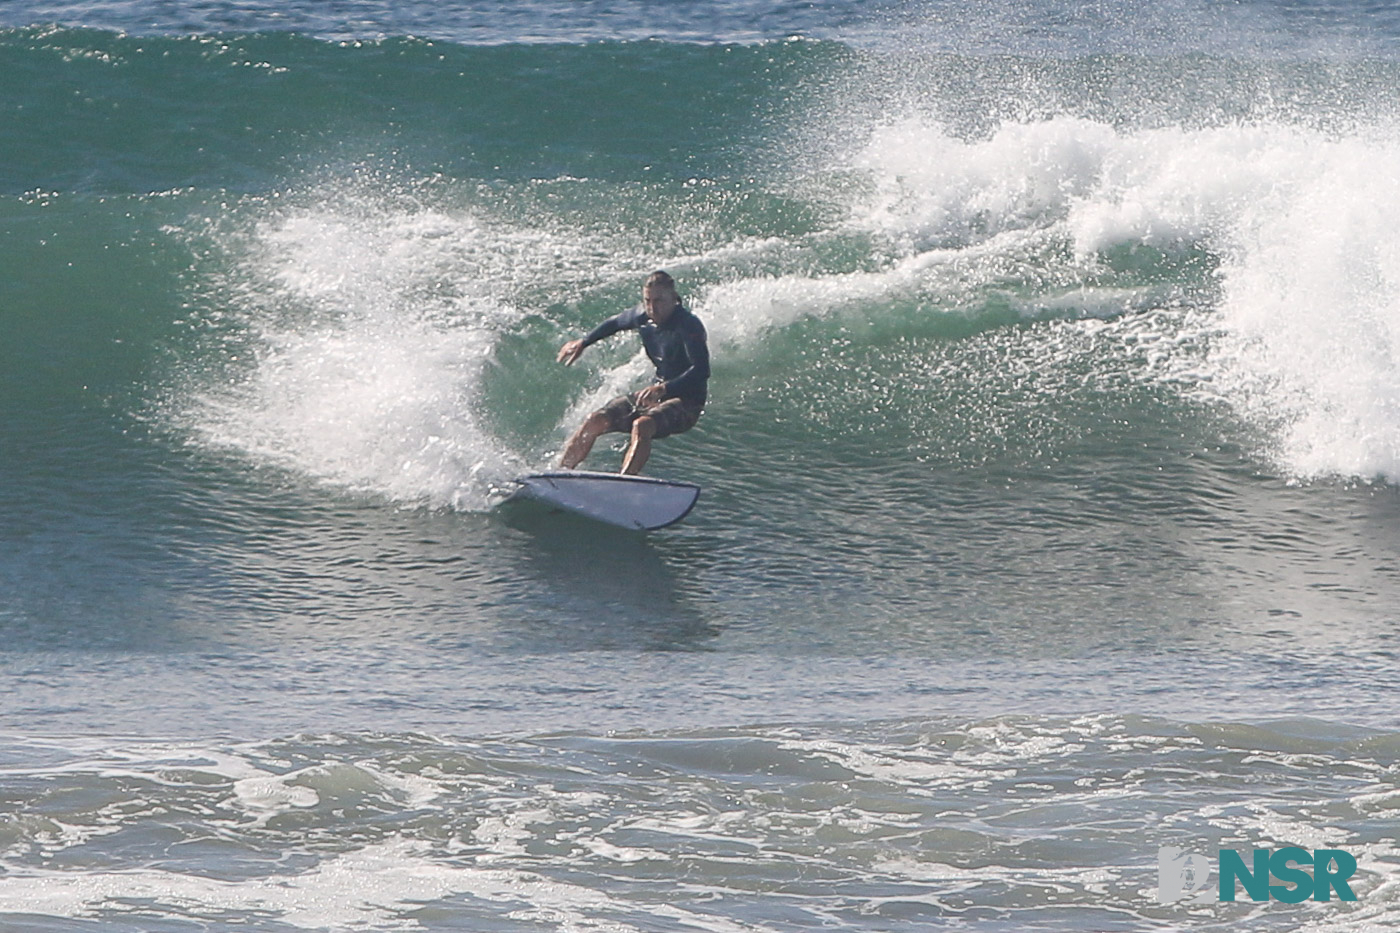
[[1303, 340], [369, 329], [1312, 309]]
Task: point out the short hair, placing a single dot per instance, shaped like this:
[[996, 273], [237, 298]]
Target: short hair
[[660, 279]]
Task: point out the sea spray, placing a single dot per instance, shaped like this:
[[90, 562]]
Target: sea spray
[[358, 331], [1312, 349], [1278, 226]]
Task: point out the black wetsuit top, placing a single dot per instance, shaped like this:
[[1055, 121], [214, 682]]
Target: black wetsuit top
[[677, 348]]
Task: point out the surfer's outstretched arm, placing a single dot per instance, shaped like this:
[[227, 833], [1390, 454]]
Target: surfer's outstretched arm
[[571, 351]]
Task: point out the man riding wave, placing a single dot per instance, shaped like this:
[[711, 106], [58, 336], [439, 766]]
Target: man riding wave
[[675, 342]]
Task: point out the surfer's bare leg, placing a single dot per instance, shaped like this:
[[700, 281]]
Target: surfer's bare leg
[[643, 430], [579, 446]]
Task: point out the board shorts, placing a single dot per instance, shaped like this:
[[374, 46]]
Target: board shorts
[[672, 416]]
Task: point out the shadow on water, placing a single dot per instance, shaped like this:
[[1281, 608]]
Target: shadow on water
[[597, 587], [505, 581]]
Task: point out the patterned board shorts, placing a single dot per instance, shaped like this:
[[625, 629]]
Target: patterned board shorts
[[672, 416]]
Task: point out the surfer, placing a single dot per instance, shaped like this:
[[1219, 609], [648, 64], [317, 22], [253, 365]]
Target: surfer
[[674, 339]]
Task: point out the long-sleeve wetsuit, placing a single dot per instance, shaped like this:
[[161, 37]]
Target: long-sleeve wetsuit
[[677, 348]]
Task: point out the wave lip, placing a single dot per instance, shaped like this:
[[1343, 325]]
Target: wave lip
[[467, 22], [1278, 231]]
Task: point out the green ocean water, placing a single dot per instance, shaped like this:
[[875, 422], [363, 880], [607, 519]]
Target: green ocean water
[[1018, 365], [1049, 509]]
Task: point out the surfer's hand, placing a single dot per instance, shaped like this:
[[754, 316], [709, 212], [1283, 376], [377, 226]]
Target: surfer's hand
[[570, 352], [651, 395]]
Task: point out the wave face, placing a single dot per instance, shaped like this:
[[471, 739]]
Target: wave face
[[1051, 455], [360, 201], [957, 294]]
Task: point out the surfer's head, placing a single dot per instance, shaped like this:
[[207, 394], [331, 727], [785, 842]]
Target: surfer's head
[[659, 297]]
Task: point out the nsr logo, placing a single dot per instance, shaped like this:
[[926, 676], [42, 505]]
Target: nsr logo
[[1182, 874]]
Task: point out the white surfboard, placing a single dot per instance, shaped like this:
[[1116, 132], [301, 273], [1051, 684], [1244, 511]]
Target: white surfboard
[[637, 502]]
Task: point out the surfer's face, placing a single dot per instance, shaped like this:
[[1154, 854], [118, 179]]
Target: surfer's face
[[659, 303]]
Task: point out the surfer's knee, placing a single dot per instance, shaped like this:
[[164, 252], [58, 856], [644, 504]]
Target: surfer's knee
[[597, 423], [644, 427]]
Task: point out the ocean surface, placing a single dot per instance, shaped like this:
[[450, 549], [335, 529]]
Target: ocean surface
[[1051, 467]]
